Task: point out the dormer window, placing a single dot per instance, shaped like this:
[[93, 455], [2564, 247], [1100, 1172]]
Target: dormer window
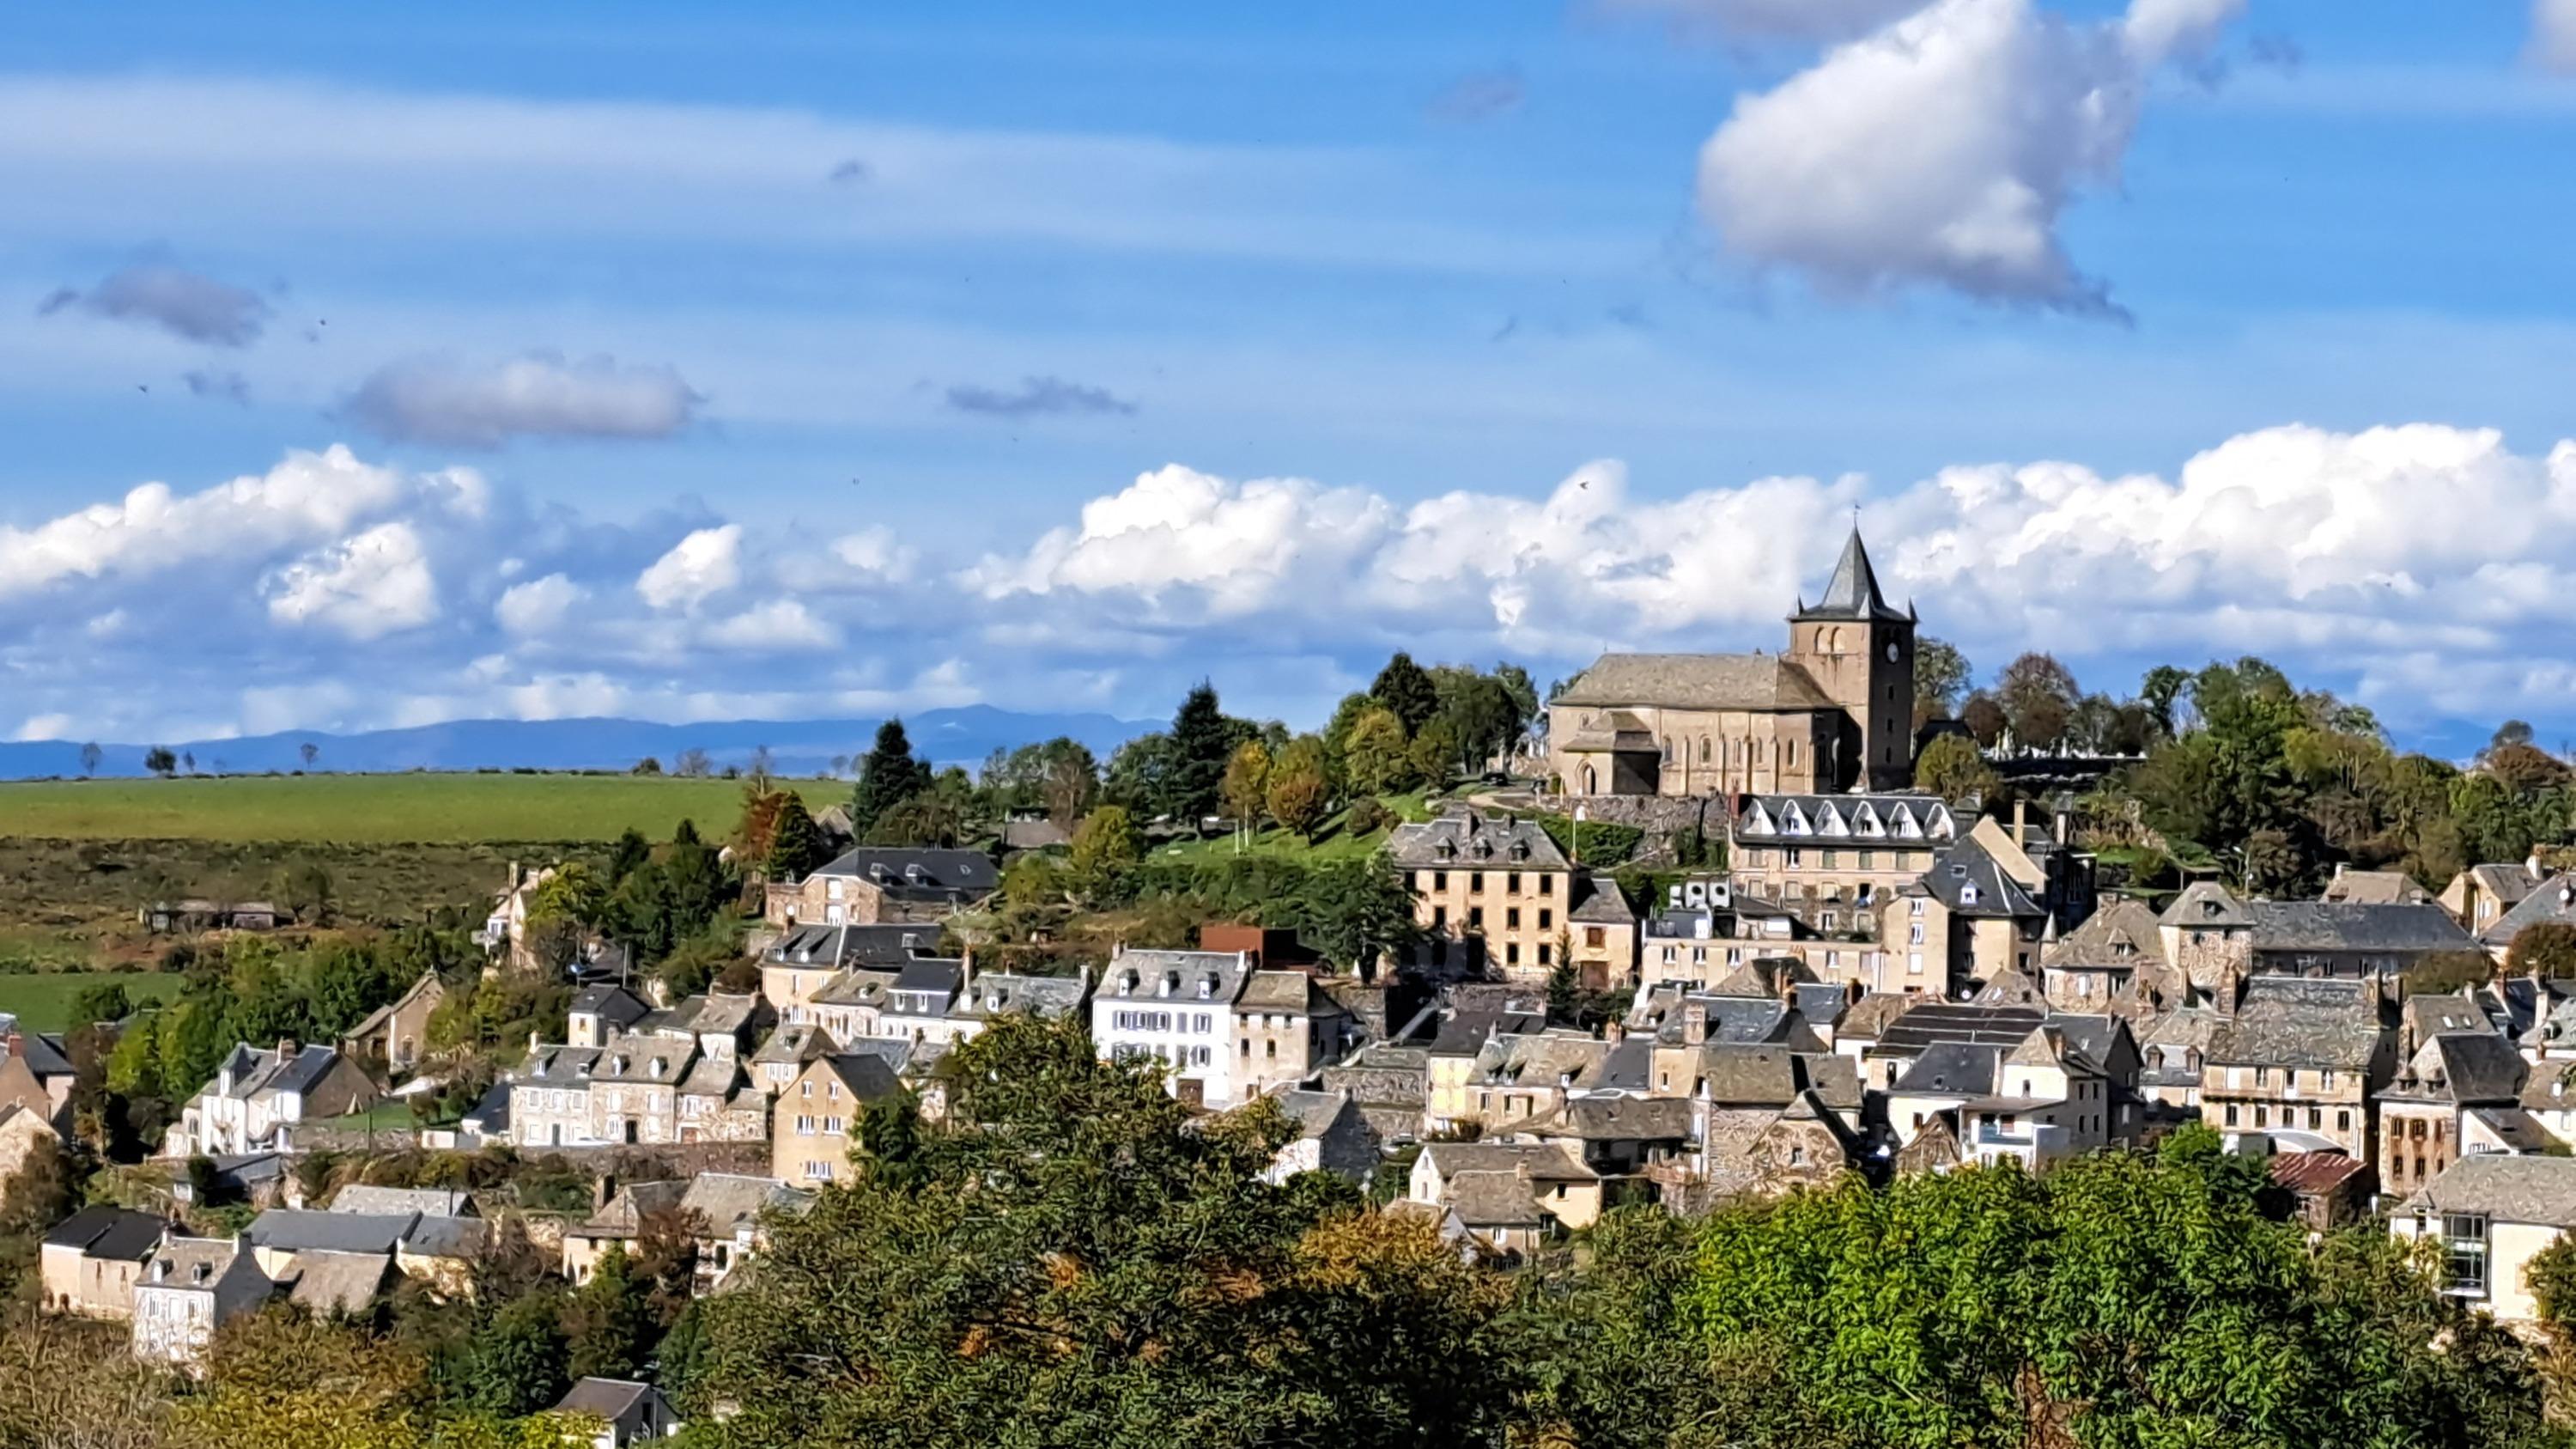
[[1967, 895], [1171, 982], [1207, 987]]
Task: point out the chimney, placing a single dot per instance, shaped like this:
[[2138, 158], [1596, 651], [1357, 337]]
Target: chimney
[[1614, 1031], [286, 1049], [2065, 823], [514, 877], [601, 1191], [2021, 817], [1694, 1023]]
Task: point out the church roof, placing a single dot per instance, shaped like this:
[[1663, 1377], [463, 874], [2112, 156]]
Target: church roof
[[1760, 682], [1853, 591]]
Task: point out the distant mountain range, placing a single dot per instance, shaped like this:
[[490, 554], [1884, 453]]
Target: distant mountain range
[[961, 736]]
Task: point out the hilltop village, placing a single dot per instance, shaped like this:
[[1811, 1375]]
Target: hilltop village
[[1689, 933]]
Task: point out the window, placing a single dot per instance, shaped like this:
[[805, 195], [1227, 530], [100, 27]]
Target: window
[[1512, 919], [1593, 938], [1476, 882], [1512, 883], [1440, 880], [1547, 885], [2464, 1254], [1544, 951], [1546, 919], [2231, 1114], [1791, 856], [831, 1126], [2343, 1121], [1511, 953], [1868, 860], [804, 1126]]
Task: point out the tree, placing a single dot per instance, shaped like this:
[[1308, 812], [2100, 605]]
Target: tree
[[1375, 758], [308, 752], [90, 756], [101, 1001], [648, 766], [1299, 795], [692, 764], [888, 776], [2161, 692], [1940, 678], [1247, 784], [2546, 949], [305, 888], [1203, 742], [1079, 1262], [2443, 971], [631, 852], [1105, 847], [188, 761], [2525, 767], [517, 1363], [1953, 768], [160, 761], [2038, 697], [1984, 718], [1434, 753], [1071, 783], [1405, 690], [1357, 911], [796, 843], [608, 1323]]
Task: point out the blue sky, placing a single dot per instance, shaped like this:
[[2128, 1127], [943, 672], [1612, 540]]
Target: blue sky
[[689, 368]]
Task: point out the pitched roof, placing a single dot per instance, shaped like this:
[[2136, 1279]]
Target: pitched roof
[[2311, 1174], [867, 1075], [611, 1002], [1217, 976], [2122, 935], [2375, 887], [1933, 1022], [1600, 903], [1951, 1069], [2533, 1190], [1613, 1119], [2516, 1128], [44, 1054], [299, 1230], [607, 1399], [2462, 1067], [329, 1281], [1314, 1113], [2553, 901], [112, 1233], [728, 1200], [1966, 877], [883, 946], [992, 992], [2299, 1022], [1467, 837], [918, 872], [1852, 593], [2324, 926], [1494, 1198], [258, 1071], [359, 1197], [1277, 991], [1763, 683], [1543, 1161]]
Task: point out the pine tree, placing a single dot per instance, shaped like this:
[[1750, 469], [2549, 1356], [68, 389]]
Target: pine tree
[[608, 1322], [795, 841], [887, 777], [1203, 742]]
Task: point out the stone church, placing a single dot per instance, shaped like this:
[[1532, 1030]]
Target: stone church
[[1834, 712]]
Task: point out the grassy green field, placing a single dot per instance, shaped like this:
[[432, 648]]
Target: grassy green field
[[44, 1002], [378, 809]]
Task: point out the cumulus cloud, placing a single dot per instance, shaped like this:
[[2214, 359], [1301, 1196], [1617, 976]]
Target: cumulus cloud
[[1768, 19], [1481, 95], [537, 606], [2553, 35], [183, 303], [2379, 562], [539, 395], [1944, 149], [1037, 397], [364, 587], [698, 567]]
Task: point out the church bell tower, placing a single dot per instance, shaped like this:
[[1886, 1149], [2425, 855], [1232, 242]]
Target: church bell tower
[[1860, 652]]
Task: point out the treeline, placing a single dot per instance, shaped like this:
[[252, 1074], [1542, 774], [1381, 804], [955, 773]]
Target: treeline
[[2244, 771]]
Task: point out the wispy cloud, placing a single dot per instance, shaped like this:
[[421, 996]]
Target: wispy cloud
[[185, 304], [539, 395], [1481, 95], [1037, 397]]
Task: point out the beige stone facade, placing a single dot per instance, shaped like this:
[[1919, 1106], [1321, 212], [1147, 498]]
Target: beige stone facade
[[1834, 711]]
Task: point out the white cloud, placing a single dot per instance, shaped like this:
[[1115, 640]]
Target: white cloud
[[364, 587], [776, 625], [1944, 149], [1769, 19], [440, 400], [876, 552], [45, 727], [537, 606], [698, 567], [2553, 35]]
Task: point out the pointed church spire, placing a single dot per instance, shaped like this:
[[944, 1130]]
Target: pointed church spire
[[1853, 594]]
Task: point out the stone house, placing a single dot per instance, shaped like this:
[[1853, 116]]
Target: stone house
[[2216, 940], [1834, 710], [35, 1073], [802, 961], [1333, 1135], [2300, 1061], [2114, 961], [2351, 887], [875, 885], [2331, 1190], [189, 1288], [1285, 1028], [601, 1011], [89, 1262], [726, 1209], [815, 1121], [393, 1036], [628, 1412], [2552, 901], [2055, 1097], [1551, 1176], [1488, 891], [258, 1097], [2431, 1107], [1601, 936], [1835, 861], [21, 1128], [2490, 1215], [2479, 896]]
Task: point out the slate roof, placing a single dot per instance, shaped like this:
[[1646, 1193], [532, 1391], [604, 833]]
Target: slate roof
[[1900, 820], [362, 1197], [2319, 926], [1766, 1076], [882, 947], [1870, 1018], [943, 873], [2375, 887], [2430, 1012], [109, 1233], [1313, 1112], [2509, 884], [793, 1045], [1764, 683], [1614, 1119], [491, 1116], [1463, 837], [1276, 991], [1822, 1003], [2286, 1021], [1852, 593], [712, 1076], [1951, 1069], [2535, 1190], [44, 1054], [608, 1399], [2465, 1068], [2123, 935], [1626, 1067], [622, 1216], [2554, 900], [612, 1003], [2091, 1037], [300, 1230], [855, 987], [720, 1013], [866, 1075], [1493, 1199], [445, 1237], [185, 1257], [1933, 1022], [2515, 1128], [555, 1065], [1967, 878], [990, 992], [1600, 903], [1546, 1058], [1542, 1161], [257, 1070], [728, 1201], [1140, 975]]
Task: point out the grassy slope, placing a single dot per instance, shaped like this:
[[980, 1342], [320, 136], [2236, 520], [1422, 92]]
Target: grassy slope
[[1332, 842], [377, 809], [43, 1002]]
